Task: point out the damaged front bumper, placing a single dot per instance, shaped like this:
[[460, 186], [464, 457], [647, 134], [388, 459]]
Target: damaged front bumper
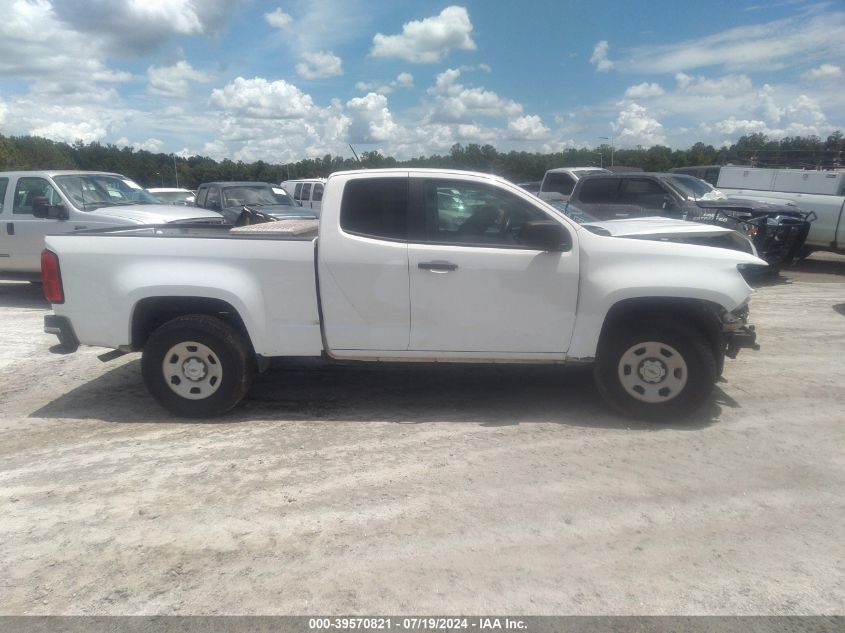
[[737, 334]]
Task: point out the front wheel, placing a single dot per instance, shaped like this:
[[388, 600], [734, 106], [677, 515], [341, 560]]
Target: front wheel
[[197, 366], [655, 370]]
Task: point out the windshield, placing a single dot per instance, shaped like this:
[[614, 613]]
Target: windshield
[[93, 191], [572, 212], [255, 196], [690, 186], [173, 197]]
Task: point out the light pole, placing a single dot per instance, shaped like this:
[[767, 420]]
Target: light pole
[[601, 159], [175, 171], [158, 173], [611, 147]]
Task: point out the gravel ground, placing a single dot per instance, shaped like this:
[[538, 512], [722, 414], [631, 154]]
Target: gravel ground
[[417, 489]]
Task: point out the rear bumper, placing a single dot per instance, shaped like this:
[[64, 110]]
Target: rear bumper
[[63, 329]]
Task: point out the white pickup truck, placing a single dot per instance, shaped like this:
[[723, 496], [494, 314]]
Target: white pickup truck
[[408, 265]]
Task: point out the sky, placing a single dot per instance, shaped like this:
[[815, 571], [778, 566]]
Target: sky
[[282, 81]]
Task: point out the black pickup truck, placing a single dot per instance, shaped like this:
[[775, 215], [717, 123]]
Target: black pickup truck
[[777, 231]]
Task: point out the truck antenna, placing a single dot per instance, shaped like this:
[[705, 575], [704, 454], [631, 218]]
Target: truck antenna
[[354, 153]]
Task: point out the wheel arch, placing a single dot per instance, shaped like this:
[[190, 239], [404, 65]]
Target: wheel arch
[[151, 312], [702, 314]]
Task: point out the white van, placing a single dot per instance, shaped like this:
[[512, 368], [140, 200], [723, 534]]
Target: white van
[[307, 191], [38, 203]]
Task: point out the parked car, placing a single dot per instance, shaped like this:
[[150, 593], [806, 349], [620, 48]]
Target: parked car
[[514, 282], [307, 192], [777, 230], [173, 195], [38, 203], [819, 192], [660, 229], [558, 183], [230, 198]]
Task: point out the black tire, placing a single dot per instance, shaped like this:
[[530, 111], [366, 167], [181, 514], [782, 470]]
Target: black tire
[[699, 369], [228, 352]]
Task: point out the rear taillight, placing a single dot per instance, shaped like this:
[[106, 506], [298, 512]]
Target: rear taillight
[[51, 277]]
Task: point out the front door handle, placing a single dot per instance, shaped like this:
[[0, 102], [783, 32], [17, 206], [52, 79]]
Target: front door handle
[[438, 267]]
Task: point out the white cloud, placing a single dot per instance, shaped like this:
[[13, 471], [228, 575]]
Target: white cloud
[[403, 80], [825, 71], [456, 103], [599, 57], [370, 119], [727, 85], [152, 145], [527, 128], [772, 45], [644, 90], [635, 126], [430, 40], [174, 81], [85, 131], [259, 98], [278, 19], [133, 27], [35, 45], [319, 65]]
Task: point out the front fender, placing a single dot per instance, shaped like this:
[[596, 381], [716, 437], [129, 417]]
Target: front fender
[[617, 269]]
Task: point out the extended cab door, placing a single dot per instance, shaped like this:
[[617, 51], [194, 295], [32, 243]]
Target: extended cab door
[[363, 265], [476, 289]]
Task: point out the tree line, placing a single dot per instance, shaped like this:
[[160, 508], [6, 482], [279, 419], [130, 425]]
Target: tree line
[[159, 169]]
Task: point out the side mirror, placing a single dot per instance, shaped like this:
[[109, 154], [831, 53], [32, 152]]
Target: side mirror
[[668, 202], [547, 236], [41, 208]]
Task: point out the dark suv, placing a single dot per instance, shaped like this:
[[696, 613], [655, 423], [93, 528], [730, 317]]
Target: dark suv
[[778, 231], [230, 198]]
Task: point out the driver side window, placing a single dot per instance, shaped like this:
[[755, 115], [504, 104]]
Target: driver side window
[[29, 188], [470, 213]]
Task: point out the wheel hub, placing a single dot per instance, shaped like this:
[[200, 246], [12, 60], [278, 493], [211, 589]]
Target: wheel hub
[[194, 369], [652, 370]]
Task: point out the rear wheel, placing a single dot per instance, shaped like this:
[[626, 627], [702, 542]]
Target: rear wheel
[[655, 370], [197, 366]]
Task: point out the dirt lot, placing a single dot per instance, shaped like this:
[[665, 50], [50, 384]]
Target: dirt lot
[[419, 489]]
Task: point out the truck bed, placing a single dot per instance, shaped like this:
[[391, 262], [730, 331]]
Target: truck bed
[[267, 277], [294, 229]]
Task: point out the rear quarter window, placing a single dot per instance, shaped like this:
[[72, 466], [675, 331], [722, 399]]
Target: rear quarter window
[[560, 182], [376, 207], [597, 190]]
